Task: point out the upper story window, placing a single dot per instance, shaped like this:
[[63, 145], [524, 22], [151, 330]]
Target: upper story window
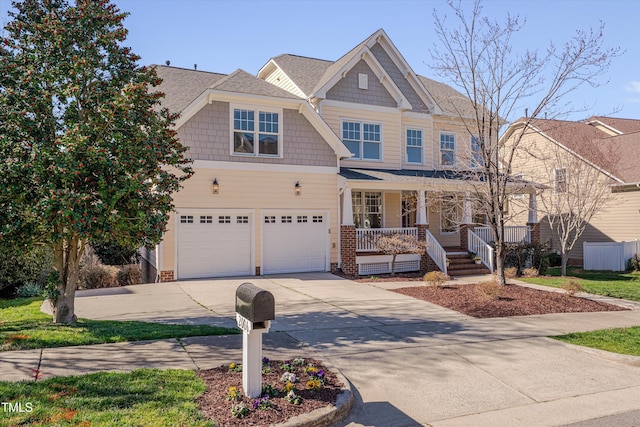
[[560, 181], [415, 144], [363, 139], [256, 139], [476, 153], [447, 149]]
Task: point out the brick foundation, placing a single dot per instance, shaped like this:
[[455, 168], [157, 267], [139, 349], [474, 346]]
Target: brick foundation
[[464, 236], [166, 276], [348, 249], [334, 267], [258, 271], [426, 263], [535, 232]]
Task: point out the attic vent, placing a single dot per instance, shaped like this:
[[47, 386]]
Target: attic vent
[[363, 81]]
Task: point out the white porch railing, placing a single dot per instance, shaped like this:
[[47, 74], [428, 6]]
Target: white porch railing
[[481, 248], [436, 252], [512, 234], [366, 237]]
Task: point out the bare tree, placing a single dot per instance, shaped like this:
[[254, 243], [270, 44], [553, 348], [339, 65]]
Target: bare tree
[[395, 244], [477, 55]]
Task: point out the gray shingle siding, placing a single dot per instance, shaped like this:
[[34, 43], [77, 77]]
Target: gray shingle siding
[[207, 134], [347, 89], [399, 79]]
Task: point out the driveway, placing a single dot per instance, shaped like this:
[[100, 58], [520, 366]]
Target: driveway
[[410, 362]]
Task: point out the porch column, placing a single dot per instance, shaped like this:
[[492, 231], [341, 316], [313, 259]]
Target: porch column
[[348, 236], [532, 223], [421, 214], [467, 222]]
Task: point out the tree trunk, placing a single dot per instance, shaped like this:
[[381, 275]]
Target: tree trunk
[[563, 264], [393, 264], [67, 263], [500, 266]]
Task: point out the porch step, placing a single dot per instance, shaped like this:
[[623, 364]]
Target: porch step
[[462, 265]]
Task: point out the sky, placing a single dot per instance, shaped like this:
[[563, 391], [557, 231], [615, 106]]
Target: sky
[[224, 35]]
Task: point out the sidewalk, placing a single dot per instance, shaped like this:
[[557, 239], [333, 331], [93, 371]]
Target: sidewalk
[[410, 362]]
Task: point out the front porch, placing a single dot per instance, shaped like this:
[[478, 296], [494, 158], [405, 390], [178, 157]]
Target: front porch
[[373, 209]]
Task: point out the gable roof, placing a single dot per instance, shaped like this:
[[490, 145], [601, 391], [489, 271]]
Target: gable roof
[[302, 70], [618, 124], [242, 82], [450, 101], [182, 85], [615, 155]]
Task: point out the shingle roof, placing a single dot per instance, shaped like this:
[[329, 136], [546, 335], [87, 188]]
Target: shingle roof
[[304, 71], [181, 85], [242, 82], [615, 154], [450, 101], [622, 125]]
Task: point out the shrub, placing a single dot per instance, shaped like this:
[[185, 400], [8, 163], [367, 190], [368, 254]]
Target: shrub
[[436, 278], [100, 276], [530, 272], [111, 253], [634, 263], [510, 272], [130, 275], [555, 259], [572, 287], [28, 290], [19, 266], [490, 290]]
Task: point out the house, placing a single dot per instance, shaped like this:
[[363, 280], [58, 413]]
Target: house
[[608, 147], [300, 167]]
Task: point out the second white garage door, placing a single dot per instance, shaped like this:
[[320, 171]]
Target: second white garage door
[[294, 242]]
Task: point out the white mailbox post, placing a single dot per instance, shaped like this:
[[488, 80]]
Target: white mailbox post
[[255, 308]]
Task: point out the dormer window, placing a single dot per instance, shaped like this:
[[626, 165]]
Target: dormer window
[[256, 139]]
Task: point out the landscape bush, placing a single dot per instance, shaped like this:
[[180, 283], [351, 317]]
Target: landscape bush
[[572, 287], [130, 275], [510, 272], [99, 276], [490, 290], [19, 267], [28, 290], [530, 272], [111, 253], [634, 263], [436, 278]]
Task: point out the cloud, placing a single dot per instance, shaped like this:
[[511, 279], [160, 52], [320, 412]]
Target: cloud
[[634, 86]]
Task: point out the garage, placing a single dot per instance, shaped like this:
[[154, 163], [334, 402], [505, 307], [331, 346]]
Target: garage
[[214, 244], [294, 241]]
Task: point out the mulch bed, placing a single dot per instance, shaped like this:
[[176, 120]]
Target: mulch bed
[[514, 300], [215, 404]]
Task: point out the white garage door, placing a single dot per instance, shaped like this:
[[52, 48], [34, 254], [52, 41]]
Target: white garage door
[[294, 242], [213, 244]]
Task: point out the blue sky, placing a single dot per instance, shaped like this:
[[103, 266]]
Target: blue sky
[[223, 35]]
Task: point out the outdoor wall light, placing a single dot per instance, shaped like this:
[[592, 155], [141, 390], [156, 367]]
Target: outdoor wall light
[[297, 188], [215, 186]]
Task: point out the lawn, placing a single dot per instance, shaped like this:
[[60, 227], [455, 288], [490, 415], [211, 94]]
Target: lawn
[[619, 340], [23, 326], [610, 283], [145, 397]]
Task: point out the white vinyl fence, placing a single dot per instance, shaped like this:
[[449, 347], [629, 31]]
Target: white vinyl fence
[[610, 255]]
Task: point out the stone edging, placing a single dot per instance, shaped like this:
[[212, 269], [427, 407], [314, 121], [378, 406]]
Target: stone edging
[[329, 414]]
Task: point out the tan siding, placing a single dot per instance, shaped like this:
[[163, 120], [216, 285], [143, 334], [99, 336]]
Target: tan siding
[[280, 79], [207, 135], [392, 209], [426, 124], [347, 89], [391, 134], [463, 140], [258, 190]]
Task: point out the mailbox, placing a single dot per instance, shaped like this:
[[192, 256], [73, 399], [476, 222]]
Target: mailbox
[[255, 305]]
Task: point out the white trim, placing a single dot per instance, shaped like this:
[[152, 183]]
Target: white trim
[[266, 167], [275, 66], [256, 130], [356, 106], [417, 115], [406, 147], [362, 123], [252, 232], [455, 150], [604, 125]]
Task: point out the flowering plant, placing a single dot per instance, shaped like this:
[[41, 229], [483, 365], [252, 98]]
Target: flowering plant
[[268, 390], [293, 398], [233, 367], [233, 394], [288, 366], [313, 385], [289, 377], [289, 387], [239, 410], [262, 403], [266, 367], [298, 361]]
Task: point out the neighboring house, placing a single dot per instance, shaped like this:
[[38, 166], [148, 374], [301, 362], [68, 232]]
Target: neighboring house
[[611, 146], [299, 168]]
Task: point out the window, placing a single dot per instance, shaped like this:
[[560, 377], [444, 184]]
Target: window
[[270, 219], [186, 219], [242, 219], [447, 149], [224, 219], [302, 218], [263, 141], [476, 153], [363, 139], [560, 181], [317, 218], [414, 146], [286, 219], [206, 219], [367, 209], [449, 207]]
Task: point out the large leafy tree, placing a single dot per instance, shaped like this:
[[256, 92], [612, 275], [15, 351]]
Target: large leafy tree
[[86, 151]]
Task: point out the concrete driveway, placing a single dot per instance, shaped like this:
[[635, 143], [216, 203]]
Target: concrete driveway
[[410, 362]]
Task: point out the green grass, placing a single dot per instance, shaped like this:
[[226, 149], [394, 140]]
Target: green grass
[[145, 397], [610, 283], [619, 340], [23, 326]]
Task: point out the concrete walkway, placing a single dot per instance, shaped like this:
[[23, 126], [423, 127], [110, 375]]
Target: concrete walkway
[[410, 362]]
